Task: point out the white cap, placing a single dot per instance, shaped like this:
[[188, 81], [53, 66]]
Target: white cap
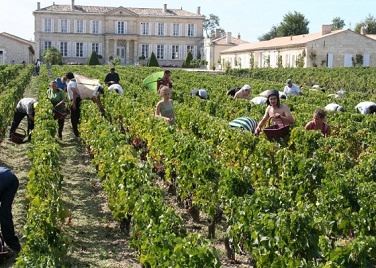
[[246, 87], [202, 93]]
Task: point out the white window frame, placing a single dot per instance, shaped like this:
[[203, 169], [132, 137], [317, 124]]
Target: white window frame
[[175, 29], [95, 26], [121, 27], [63, 26], [175, 52], [145, 50], [78, 49], [63, 48], [160, 29], [79, 26], [47, 25], [145, 28], [190, 30], [160, 52]]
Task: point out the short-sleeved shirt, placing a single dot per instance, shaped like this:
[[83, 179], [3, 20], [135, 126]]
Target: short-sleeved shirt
[[245, 123], [60, 83], [26, 106], [331, 107], [259, 100], [117, 88], [167, 110], [55, 97], [363, 107], [72, 84], [293, 90]]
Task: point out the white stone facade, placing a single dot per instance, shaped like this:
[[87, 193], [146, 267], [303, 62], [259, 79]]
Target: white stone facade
[[127, 33], [15, 50]]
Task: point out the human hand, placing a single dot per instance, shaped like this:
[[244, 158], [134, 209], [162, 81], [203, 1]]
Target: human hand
[[277, 115]]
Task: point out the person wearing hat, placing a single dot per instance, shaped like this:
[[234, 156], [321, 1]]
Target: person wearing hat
[[334, 107], [245, 123], [112, 77], [278, 112], [199, 93], [8, 188], [366, 107], [291, 88], [57, 98], [165, 80], [243, 93], [25, 107]]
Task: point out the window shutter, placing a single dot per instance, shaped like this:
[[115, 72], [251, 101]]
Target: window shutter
[[186, 30], [150, 50], [164, 28], [74, 53], [75, 26], [366, 60], [100, 49], [195, 52], [180, 29], [91, 26], [84, 50], [68, 26], [125, 27], [171, 29], [59, 25], [195, 30], [156, 29], [69, 49], [164, 52], [140, 50], [141, 33], [180, 52], [100, 27], [52, 25], [43, 24], [185, 52], [84, 26], [149, 25], [90, 48], [170, 52]]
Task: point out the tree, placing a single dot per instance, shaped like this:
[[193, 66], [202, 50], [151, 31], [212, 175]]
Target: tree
[[273, 33], [93, 59], [369, 23], [152, 62], [52, 56], [188, 59], [293, 24], [210, 24], [337, 23]]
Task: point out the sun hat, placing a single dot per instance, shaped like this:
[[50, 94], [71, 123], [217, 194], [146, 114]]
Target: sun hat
[[245, 87], [288, 81]]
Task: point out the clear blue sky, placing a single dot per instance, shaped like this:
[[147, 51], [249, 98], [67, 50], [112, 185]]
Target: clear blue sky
[[249, 18]]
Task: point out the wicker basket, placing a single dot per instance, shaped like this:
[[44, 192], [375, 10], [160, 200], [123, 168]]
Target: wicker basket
[[277, 131], [18, 137], [59, 114]]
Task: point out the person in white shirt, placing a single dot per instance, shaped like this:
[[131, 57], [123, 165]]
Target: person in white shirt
[[259, 100], [366, 107], [74, 97], [334, 107], [291, 88], [243, 93], [117, 88], [25, 107]]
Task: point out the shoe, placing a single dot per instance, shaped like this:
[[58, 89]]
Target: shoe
[[60, 136], [74, 138], [10, 253]]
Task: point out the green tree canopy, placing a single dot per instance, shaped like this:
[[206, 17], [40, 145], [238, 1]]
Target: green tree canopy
[[188, 59], [337, 23], [292, 24], [152, 62], [369, 23], [52, 56], [210, 24], [93, 59]]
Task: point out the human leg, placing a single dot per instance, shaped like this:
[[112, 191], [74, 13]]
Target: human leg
[[17, 118]]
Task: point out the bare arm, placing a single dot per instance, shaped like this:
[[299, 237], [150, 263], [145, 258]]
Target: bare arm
[[263, 121], [308, 126]]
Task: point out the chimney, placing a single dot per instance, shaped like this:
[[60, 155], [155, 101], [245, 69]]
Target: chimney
[[228, 38], [72, 5], [217, 33], [199, 11], [326, 28], [165, 8], [238, 35], [38, 5]]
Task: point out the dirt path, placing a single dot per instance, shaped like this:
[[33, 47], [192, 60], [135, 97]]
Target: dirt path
[[95, 238]]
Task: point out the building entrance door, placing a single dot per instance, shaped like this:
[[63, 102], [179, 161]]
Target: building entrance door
[[121, 53]]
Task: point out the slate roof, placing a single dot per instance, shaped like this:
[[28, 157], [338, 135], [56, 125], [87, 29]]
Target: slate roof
[[103, 10]]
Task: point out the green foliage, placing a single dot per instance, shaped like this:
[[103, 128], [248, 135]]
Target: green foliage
[[152, 62], [52, 56], [338, 23], [369, 23], [116, 61], [210, 24], [93, 59], [188, 59]]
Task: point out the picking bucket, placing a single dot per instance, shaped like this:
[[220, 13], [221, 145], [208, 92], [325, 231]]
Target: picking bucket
[[17, 137]]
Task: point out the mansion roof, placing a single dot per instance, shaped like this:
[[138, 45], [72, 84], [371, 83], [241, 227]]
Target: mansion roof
[[103, 10]]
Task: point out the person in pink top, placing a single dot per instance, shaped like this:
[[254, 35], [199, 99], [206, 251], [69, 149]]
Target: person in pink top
[[318, 122]]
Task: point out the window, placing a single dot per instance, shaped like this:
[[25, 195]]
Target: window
[[190, 48], [175, 29], [64, 49], [160, 29], [48, 25], [144, 28], [47, 45], [190, 29], [64, 26], [145, 51], [79, 50], [160, 52], [95, 46], [120, 27], [80, 26], [175, 52], [95, 27]]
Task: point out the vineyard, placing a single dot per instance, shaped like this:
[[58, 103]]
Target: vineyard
[[304, 201]]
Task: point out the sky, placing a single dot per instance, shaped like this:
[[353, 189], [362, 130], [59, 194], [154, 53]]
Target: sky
[[249, 18]]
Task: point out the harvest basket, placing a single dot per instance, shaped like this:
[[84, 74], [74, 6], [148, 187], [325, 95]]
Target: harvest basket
[[59, 114], [17, 137], [277, 131]]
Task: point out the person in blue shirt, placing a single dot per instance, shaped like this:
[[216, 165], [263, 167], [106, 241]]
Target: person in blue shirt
[[62, 83]]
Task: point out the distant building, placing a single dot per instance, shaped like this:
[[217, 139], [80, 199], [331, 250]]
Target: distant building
[[341, 48], [126, 32], [14, 49], [214, 46]]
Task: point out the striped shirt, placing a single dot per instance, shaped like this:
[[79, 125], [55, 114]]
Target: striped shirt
[[245, 123]]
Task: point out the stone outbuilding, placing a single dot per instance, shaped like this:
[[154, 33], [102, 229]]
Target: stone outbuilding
[[14, 49], [340, 48]]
